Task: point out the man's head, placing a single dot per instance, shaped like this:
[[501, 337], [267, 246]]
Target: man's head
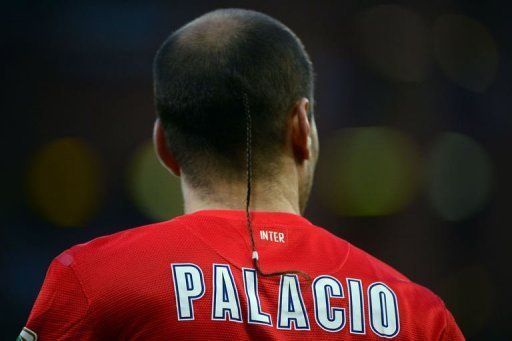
[[202, 73]]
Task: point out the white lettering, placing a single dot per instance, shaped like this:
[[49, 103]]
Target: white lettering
[[291, 309], [356, 308], [225, 303], [188, 286], [273, 236], [254, 311], [330, 319], [383, 306], [281, 237], [330, 311], [264, 235]]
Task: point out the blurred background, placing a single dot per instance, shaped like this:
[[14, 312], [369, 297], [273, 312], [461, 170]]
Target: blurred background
[[413, 109]]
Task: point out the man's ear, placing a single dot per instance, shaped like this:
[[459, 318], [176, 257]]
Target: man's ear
[[163, 152], [301, 129]]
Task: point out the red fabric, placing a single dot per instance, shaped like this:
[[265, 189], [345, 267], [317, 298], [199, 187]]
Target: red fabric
[[120, 287]]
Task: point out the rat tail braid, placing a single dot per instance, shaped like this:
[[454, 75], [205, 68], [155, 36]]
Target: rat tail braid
[[249, 166]]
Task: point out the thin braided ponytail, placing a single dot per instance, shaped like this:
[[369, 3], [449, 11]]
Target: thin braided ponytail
[[248, 149]]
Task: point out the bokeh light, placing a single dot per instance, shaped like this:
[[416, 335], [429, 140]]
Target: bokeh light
[[65, 182], [459, 176], [368, 171], [395, 42], [155, 191], [466, 51]]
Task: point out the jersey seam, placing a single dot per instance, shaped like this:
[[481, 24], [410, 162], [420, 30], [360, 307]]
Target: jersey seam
[[349, 249], [211, 248], [80, 284]]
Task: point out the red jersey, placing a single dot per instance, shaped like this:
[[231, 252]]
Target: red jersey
[[192, 278]]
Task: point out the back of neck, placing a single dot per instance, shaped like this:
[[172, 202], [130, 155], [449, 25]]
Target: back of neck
[[279, 195]]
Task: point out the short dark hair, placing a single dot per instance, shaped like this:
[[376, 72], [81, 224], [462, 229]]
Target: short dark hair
[[201, 73]]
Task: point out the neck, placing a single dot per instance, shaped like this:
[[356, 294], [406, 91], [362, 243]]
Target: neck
[[281, 194]]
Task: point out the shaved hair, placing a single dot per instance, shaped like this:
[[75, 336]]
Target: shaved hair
[[202, 73]]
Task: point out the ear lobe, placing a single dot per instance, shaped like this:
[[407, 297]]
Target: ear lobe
[[165, 156], [301, 130]]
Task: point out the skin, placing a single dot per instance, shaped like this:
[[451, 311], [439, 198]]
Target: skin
[[288, 191]]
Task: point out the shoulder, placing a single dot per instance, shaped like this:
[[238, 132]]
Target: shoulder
[[357, 260], [128, 238], [376, 270], [360, 263], [121, 247], [416, 301], [104, 264]]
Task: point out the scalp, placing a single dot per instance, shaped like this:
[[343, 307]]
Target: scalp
[[202, 73], [212, 31]]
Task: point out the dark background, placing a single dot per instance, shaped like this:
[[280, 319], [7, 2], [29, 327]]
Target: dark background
[[413, 110]]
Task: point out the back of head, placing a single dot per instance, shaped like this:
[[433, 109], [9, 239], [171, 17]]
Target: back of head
[[202, 73]]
